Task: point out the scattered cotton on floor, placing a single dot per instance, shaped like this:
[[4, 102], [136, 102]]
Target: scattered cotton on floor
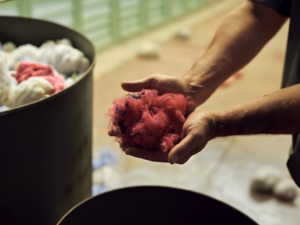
[[270, 180]]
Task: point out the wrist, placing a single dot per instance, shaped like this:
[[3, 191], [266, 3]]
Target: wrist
[[232, 121], [213, 124], [201, 82], [195, 91], [198, 91], [219, 125]]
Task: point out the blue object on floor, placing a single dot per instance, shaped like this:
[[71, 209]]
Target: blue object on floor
[[96, 189], [106, 158], [4, 108]]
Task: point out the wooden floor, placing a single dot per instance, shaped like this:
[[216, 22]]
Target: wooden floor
[[224, 168]]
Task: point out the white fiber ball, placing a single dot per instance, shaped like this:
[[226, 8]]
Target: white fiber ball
[[285, 189], [8, 47], [65, 41], [69, 82], [84, 64], [149, 50], [30, 90], [26, 52], [106, 176], [183, 33], [265, 179], [48, 44], [5, 79], [66, 59]]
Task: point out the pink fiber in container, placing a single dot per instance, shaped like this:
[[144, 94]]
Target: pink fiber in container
[[34, 69]]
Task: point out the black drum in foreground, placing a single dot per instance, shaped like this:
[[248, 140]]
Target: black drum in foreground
[[152, 206]]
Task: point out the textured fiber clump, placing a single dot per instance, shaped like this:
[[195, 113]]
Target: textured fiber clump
[[149, 120], [32, 69]]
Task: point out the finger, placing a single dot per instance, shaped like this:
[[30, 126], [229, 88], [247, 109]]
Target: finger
[[123, 146], [190, 142], [184, 160], [190, 108], [113, 132], [135, 86], [151, 155], [190, 154]]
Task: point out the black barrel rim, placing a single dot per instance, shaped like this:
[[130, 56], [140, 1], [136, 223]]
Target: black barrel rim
[[133, 188]]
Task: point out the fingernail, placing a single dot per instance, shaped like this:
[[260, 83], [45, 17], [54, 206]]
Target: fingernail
[[174, 159], [127, 150]]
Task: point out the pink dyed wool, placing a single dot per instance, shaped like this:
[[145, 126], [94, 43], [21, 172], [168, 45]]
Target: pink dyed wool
[[32, 69], [149, 120]]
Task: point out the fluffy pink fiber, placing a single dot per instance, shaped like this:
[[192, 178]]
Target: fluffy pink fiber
[[149, 120], [33, 69]]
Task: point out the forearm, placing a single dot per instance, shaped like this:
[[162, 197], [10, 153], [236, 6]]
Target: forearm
[[238, 39], [276, 113]]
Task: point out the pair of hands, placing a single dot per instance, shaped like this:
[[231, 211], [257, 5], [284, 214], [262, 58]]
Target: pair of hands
[[198, 129]]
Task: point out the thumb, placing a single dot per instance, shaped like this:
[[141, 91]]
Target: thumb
[[186, 145], [135, 86]]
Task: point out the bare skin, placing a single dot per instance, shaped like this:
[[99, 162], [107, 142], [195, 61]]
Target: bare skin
[[237, 41], [275, 113]]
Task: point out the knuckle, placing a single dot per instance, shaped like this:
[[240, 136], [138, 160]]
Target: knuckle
[[195, 151], [182, 161], [153, 79], [181, 152]]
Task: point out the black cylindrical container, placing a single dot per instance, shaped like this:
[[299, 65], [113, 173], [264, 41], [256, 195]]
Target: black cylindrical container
[[45, 147], [154, 205]]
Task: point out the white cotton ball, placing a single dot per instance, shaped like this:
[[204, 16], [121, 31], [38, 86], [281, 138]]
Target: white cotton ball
[[13, 86], [265, 179], [30, 90], [45, 55], [8, 47], [4, 60], [66, 59], [183, 33], [149, 49], [45, 96], [10, 60], [5, 79], [69, 82], [43, 83], [285, 189], [65, 41], [56, 57], [45, 52], [26, 52], [107, 176], [84, 65], [48, 44], [72, 61]]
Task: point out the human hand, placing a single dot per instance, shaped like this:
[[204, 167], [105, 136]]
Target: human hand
[[164, 84], [198, 129]]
